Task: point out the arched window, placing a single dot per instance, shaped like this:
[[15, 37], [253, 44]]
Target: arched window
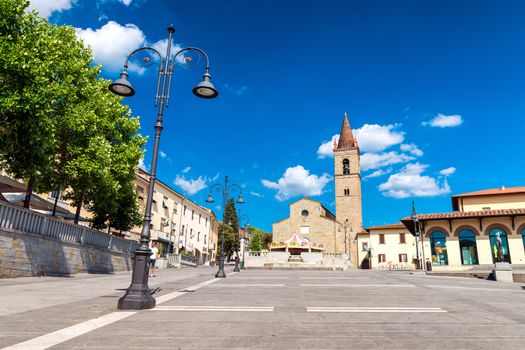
[[467, 247], [346, 167], [523, 237], [438, 247], [499, 246], [347, 192]]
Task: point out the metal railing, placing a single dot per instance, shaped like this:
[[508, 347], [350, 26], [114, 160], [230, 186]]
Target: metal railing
[[188, 260], [24, 220]]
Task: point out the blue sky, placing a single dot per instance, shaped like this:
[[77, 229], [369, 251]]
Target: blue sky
[[433, 90]]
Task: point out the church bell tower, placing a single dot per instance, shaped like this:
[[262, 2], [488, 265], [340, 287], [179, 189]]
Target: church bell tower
[[348, 187]]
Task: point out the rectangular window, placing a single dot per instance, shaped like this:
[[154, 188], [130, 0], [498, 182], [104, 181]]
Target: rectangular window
[[184, 213], [204, 239], [403, 258], [382, 258], [206, 223], [402, 238], [182, 231], [381, 238], [305, 230], [365, 246], [198, 236], [192, 214], [200, 218], [165, 202]]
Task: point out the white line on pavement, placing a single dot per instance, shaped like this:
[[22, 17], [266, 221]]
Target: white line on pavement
[[323, 285], [51, 339], [54, 338], [234, 285], [473, 288], [216, 308], [377, 309]]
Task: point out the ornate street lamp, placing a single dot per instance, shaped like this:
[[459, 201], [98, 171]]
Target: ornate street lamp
[[415, 220], [225, 192], [247, 220], [138, 295]]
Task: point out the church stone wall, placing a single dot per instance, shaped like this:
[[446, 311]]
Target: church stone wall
[[321, 229]]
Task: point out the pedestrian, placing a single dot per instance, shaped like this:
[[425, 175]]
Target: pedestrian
[[153, 258]]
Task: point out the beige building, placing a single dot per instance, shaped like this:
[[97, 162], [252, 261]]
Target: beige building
[[488, 228], [313, 222], [387, 247], [177, 221]]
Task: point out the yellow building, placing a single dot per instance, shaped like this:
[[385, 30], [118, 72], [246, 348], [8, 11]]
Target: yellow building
[[387, 247], [177, 223]]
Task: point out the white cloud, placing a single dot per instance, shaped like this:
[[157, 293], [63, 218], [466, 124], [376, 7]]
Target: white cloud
[[141, 164], [409, 182], [327, 148], [298, 181], [256, 194], [46, 7], [191, 186], [186, 169], [448, 171], [112, 43], [379, 160], [162, 154], [412, 149], [126, 2], [236, 89], [443, 121], [378, 173], [375, 138]]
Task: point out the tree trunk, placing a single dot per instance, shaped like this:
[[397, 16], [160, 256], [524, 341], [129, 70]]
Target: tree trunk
[[55, 205], [79, 206], [29, 191]]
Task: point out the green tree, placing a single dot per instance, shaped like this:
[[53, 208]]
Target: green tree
[[255, 240], [43, 69], [231, 240], [60, 127]]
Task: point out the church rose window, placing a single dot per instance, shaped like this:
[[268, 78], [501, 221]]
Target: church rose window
[[304, 213]]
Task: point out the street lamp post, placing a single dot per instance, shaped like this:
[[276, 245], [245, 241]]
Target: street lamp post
[[416, 235], [245, 246], [138, 295], [247, 220], [225, 191]]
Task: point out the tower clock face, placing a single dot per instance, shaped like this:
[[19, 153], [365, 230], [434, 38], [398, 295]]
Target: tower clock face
[[304, 213]]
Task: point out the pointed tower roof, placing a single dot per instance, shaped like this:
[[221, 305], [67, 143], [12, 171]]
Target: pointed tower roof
[[346, 138]]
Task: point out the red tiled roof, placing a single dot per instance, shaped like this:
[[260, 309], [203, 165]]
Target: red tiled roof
[[397, 225], [492, 191], [467, 214]]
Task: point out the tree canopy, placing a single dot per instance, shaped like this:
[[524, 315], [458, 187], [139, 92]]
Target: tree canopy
[[60, 127]]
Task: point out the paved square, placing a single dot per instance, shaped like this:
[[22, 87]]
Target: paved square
[[269, 309]]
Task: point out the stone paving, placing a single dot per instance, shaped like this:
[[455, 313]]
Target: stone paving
[[265, 309]]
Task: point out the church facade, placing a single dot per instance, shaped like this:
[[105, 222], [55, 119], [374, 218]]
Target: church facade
[[335, 233]]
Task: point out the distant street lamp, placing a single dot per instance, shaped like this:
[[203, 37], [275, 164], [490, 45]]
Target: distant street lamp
[[247, 220], [245, 246], [416, 235], [138, 295], [225, 192]]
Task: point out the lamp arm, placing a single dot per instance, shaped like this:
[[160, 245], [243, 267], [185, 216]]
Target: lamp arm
[[217, 187], [234, 187], [143, 49], [192, 49]]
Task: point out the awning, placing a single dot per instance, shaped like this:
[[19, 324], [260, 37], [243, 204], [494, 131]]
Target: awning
[[37, 202], [10, 185]]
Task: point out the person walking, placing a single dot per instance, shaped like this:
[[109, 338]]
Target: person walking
[[153, 258]]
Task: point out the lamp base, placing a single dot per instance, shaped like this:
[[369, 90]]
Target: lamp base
[[138, 295], [220, 273]]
